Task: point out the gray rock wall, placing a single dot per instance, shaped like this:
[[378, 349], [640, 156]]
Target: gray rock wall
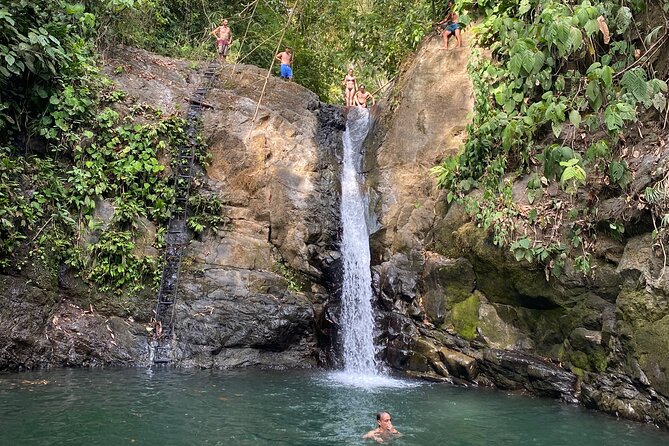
[[452, 306], [251, 292]]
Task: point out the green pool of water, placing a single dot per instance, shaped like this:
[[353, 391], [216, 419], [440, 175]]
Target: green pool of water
[[192, 407]]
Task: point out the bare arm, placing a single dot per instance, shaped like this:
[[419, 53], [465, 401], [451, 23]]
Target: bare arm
[[373, 435]]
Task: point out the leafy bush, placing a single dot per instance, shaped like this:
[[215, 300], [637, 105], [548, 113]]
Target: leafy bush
[[553, 75]]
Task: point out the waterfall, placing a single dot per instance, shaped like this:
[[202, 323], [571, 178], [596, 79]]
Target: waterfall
[[357, 318]]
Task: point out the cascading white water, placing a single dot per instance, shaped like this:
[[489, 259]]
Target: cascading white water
[[357, 319]]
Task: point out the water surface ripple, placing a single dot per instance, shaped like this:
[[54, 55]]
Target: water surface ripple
[[194, 407]]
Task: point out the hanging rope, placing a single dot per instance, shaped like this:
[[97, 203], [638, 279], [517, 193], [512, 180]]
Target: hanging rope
[[258, 46], [241, 44], [271, 65]]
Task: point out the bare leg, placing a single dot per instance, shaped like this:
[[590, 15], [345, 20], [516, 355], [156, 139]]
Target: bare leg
[[445, 35], [458, 37]]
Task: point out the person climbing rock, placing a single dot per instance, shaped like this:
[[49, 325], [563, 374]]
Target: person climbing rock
[[385, 429], [450, 26], [350, 86], [223, 36], [157, 330], [286, 58], [362, 96]]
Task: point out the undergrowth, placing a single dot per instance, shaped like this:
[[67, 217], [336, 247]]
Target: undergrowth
[[82, 168], [555, 94]]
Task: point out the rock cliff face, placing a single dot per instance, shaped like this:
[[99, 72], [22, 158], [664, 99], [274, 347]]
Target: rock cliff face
[[452, 306], [251, 292]]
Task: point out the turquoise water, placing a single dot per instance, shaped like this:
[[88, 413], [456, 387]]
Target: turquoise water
[[193, 407]]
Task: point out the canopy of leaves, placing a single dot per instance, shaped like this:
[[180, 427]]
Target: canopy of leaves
[[327, 36], [560, 74]]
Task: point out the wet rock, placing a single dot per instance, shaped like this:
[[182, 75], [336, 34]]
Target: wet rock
[[515, 370], [83, 337], [617, 395], [459, 364], [445, 282], [397, 278]]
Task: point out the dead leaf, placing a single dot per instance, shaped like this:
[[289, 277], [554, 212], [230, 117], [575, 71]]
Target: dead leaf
[[604, 28]]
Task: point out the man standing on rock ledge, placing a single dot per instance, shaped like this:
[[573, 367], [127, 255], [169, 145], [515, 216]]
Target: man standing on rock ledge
[[223, 36], [286, 58]]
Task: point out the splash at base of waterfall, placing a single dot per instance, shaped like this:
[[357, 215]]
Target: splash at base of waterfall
[[369, 381]]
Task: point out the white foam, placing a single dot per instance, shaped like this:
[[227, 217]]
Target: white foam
[[368, 381]]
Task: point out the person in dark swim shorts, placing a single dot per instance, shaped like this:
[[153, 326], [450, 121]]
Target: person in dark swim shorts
[[450, 26]]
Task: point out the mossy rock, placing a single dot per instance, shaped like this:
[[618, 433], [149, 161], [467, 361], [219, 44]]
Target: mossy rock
[[501, 278], [496, 332], [638, 307], [545, 328], [445, 283], [464, 317], [594, 362], [584, 350], [579, 359], [652, 343]]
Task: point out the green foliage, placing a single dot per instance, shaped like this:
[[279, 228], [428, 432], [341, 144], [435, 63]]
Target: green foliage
[[554, 156], [206, 212], [47, 204], [657, 201], [572, 176], [619, 173], [115, 266], [327, 36], [650, 93], [295, 281], [16, 210], [598, 150], [551, 96], [43, 43]]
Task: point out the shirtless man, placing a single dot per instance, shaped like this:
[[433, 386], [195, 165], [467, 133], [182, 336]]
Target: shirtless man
[[449, 25], [362, 96], [286, 58], [385, 431], [350, 87], [223, 36]]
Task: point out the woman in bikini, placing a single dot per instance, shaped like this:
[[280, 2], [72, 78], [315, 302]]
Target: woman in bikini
[[350, 87]]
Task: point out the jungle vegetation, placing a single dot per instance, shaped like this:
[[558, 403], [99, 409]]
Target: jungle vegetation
[[564, 94], [67, 147], [557, 91]]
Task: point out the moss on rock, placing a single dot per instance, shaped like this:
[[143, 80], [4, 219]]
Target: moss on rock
[[652, 343], [638, 307], [465, 317]]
